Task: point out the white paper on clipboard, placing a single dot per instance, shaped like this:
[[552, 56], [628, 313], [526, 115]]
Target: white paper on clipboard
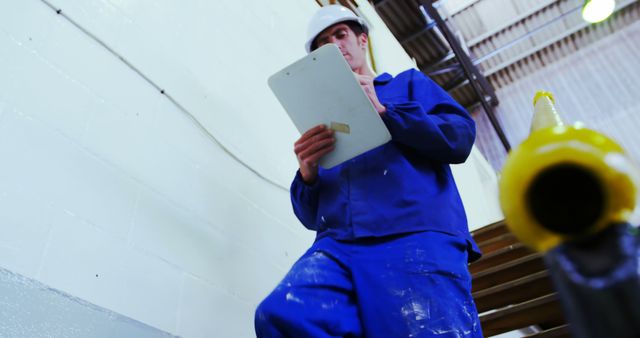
[[321, 89]]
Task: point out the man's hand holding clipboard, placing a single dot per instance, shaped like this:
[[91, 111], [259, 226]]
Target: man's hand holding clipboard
[[321, 89]]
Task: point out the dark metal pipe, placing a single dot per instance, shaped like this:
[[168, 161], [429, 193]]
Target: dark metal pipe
[[598, 282]]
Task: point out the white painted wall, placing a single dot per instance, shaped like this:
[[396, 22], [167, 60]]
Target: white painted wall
[[170, 209], [110, 192]]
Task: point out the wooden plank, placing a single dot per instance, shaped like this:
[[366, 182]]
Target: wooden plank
[[545, 309], [490, 231], [514, 292], [562, 331], [503, 273], [500, 256], [497, 243]]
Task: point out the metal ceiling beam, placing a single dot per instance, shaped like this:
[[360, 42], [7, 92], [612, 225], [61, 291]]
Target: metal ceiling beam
[[458, 80], [413, 36], [478, 82]]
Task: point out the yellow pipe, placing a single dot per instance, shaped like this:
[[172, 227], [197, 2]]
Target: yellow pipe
[[371, 58], [545, 114], [564, 181]]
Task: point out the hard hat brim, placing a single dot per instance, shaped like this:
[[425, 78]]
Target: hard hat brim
[[359, 21]]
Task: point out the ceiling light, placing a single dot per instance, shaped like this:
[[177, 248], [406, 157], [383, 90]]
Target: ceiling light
[[597, 10]]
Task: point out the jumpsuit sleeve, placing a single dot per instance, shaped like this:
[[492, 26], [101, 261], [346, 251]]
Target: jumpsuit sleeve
[[433, 123], [304, 198]]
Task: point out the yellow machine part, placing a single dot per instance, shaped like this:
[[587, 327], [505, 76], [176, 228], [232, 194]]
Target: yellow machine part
[[585, 152]]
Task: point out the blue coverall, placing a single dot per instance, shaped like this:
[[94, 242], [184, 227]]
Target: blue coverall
[[392, 245]]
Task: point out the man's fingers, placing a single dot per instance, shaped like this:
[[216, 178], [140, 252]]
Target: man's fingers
[[364, 79], [310, 158], [314, 148], [301, 144], [316, 157], [366, 84], [312, 132], [299, 147]]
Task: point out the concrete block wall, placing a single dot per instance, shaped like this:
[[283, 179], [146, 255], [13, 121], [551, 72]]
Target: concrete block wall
[[110, 191]]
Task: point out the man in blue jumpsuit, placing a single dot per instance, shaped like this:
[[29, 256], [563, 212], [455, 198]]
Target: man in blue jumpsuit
[[392, 246]]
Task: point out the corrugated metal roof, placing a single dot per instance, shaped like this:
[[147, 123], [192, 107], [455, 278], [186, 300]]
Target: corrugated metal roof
[[552, 42], [486, 26], [421, 41], [598, 85]]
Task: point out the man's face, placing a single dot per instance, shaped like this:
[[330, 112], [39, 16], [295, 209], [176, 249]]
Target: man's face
[[353, 47]]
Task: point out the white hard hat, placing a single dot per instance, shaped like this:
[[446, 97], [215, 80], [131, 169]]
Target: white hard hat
[[328, 16]]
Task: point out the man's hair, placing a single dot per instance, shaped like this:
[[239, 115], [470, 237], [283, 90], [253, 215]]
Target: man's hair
[[355, 27]]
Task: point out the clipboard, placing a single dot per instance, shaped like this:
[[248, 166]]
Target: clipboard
[[320, 88]]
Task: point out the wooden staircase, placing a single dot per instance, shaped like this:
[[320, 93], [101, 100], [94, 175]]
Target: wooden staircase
[[512, 288]]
